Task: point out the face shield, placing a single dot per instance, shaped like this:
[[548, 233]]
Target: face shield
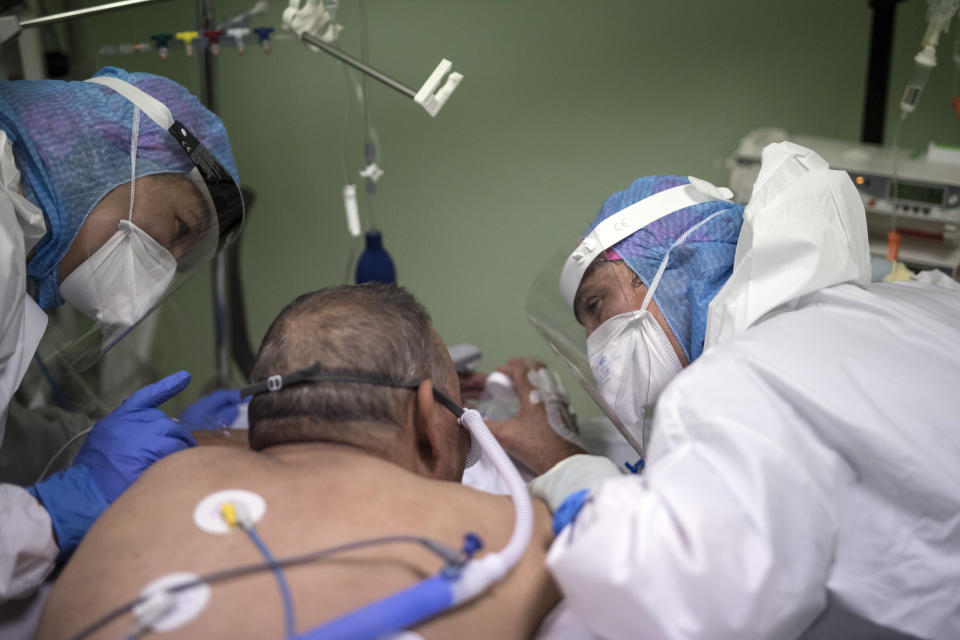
[[599, 317], [144, 238]]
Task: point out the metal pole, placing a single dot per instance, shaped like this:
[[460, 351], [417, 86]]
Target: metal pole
[[78, 13], [221, 320], [207, 21], [80, 66], [314, 41], [878, 70]]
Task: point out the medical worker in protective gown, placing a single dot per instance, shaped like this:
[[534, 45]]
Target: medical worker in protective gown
[[106, 200], [803, 454]]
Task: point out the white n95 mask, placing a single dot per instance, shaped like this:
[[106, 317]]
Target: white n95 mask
[[631, 357], [632, 361], [122, 280]]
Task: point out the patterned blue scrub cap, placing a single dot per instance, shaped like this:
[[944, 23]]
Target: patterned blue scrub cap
[[72, 144], [696, 270]]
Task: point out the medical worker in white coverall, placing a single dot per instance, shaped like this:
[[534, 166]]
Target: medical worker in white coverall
[[101, 207], [803, 464]]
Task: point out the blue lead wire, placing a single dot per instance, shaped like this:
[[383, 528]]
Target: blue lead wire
[[288, 615]]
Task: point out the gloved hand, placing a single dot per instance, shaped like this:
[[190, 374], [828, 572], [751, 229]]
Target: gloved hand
[[529, 436], [217, 409], [571, 475], [119, 448]]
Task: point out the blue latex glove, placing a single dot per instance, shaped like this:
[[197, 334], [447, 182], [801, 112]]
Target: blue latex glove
[[119, 448], [217, 409]]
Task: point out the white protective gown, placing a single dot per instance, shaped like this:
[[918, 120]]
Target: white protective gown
[[803, 477], [27, 546]]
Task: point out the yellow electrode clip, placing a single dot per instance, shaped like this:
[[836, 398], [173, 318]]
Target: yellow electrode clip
[[229, 514]]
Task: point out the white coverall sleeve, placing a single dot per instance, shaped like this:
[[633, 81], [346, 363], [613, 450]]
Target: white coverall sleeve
[[725, 535], [563, 624], [27, 546], [21, 226], [12, 292]]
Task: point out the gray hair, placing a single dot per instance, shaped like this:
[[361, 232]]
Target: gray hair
[[372, 328]]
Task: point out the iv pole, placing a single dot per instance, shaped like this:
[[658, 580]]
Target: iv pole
[[221, 321]]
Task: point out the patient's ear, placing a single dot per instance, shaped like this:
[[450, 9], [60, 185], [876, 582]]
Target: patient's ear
[[436, 440]]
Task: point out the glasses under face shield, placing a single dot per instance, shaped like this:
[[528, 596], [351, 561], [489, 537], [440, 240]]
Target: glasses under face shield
[[599, 317], [143, 239]]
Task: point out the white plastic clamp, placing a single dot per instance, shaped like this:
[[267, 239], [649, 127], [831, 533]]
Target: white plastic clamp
[[433, 102], [313, 18], [353, 211], [371, 172]]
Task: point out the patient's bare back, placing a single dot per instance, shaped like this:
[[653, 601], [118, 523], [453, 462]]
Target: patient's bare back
[[316, 496]]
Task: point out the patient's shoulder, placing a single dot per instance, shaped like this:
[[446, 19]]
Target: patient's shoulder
[[150, 531], [196, 459], [193, 466]]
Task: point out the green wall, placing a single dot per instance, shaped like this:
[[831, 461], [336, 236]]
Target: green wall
[[562, 104]]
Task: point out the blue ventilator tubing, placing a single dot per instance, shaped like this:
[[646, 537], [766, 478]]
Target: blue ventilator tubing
[[403, 609]]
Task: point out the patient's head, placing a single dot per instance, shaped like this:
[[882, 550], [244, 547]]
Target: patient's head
[[371, 328]]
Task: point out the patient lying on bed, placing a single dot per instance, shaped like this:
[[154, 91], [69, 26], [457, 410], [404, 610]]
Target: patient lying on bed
[[335, 462]]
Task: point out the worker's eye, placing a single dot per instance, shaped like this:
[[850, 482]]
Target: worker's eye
[[182, 232], [591, 305]]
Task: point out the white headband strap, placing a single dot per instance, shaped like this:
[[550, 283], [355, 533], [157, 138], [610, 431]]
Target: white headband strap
[[155, 110], [629, 220]]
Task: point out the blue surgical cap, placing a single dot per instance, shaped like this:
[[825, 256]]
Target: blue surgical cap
[[71, 141], [696, 270]]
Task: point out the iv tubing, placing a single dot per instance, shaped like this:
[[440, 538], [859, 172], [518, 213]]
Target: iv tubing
[[523, 526], [893, 236]]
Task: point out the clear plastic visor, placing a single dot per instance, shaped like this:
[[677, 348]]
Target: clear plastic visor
[[124, 263], [608, 290]]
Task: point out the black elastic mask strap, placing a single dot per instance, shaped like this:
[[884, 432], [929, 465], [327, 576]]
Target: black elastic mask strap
[[315, 373]]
